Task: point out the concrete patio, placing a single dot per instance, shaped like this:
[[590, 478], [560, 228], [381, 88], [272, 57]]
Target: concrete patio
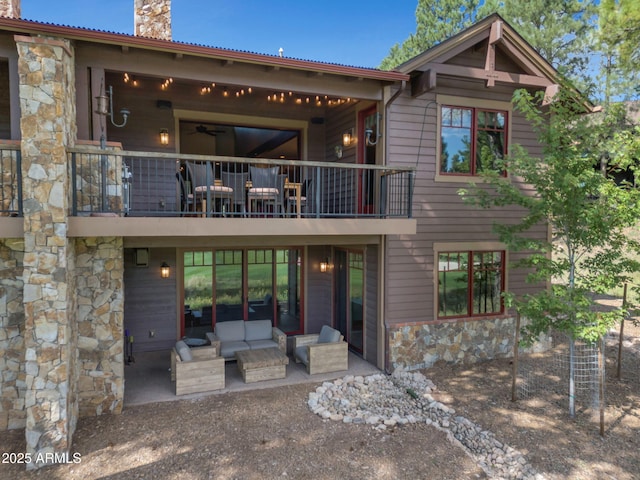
[[148, 379]]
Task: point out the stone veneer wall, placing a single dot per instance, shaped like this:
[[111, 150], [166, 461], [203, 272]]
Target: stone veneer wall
[[422, 345], [100, 288], [12, 372], [152, 18], [47, 103], [10, 8]]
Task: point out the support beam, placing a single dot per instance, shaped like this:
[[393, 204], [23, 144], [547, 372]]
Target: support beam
[[498, 76], [423, 83]]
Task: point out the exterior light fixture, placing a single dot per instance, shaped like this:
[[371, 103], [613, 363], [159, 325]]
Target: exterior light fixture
[[324, 265], [164, 136], [105, 107], [165, 270], [347, 137]]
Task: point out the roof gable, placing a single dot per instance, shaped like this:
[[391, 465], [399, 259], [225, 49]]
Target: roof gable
[[491, 50]]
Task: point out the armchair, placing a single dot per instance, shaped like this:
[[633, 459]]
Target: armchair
[[196, 370], [322, 353], [267, 187]]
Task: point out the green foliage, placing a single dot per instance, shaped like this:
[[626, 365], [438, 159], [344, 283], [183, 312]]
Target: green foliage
[[587, 211], [436, 21]]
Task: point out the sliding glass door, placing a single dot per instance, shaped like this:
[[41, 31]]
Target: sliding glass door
[[242, 284], [349, 296]]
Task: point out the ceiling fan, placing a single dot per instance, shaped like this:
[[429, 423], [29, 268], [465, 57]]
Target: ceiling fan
[[209, 131]]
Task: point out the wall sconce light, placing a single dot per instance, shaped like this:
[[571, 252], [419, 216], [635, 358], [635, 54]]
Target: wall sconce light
[[338, 151], [165, 270], [347, 137], [104, 106], [373, 132], [164, 136], [324, 265]]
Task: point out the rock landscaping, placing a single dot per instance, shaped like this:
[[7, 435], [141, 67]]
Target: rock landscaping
[[384, 402]]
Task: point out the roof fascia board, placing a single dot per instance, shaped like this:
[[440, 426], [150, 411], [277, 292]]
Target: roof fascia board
[[204, 70]]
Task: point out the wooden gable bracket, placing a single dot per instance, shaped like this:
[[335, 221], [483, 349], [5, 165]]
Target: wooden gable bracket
[[423, 83], [495, 36], [550, 94]]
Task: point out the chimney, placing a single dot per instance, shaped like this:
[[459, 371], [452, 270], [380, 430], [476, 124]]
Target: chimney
[[10, 8], [152, 18]]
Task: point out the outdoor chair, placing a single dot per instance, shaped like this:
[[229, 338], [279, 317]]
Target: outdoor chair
[[196, 370], [322, 353], [267, 189], [206, 188], [187, 203], [238, 182]]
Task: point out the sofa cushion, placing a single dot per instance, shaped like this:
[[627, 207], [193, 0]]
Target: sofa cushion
[[256, 344], [328, 335], [257, 330], [229, 349], [184, 351], [230, 331], [302, 353]]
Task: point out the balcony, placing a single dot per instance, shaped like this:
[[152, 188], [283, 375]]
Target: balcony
[[129, 193]]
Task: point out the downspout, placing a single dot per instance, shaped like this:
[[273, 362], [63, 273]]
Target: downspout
[[384, 238]]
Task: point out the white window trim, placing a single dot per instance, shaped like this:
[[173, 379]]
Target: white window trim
[[469, 102]]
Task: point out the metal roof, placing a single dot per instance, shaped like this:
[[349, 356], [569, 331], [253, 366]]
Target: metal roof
[[113, 38]]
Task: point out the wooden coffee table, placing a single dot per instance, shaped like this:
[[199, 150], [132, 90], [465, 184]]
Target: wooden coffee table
[[262, 364]]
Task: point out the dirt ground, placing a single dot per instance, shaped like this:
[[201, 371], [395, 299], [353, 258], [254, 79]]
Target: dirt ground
[[268, 434]]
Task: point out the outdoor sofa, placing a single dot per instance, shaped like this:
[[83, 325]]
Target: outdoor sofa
[[236, 335]]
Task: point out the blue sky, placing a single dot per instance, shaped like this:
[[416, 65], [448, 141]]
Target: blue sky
[[349, 32]]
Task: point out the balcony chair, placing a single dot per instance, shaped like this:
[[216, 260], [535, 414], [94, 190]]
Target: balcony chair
[[205, 187], [322, 353], [238, 182], [267, 187], [187, 203]]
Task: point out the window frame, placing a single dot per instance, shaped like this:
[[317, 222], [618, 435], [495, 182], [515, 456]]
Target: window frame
[[470, 250], [474, 104]]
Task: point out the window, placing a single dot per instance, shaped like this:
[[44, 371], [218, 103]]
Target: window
[[471, 139], [470, 283]]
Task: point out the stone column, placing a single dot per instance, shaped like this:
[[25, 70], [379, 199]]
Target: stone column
[[47, 103], [152, 18], [10, 8]]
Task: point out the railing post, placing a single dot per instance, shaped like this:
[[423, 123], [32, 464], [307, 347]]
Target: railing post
[[412, 176], [74, 185], [317, 192], [104, 165], [383, 195], [19, 177]]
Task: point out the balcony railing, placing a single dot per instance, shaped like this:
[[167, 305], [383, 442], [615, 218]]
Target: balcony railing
[[10, 181], [159, 184]]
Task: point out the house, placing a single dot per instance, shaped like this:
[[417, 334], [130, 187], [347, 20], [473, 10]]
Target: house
[[121, 160]]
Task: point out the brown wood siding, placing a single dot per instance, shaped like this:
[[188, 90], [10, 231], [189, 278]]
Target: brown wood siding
[[150, 301], [439, 210], [319, 291], [371, 304]]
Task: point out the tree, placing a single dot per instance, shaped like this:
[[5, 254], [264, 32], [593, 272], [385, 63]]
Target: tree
[[619, 42], [557, 29], [435, 22], [620, 26], [588, 214]]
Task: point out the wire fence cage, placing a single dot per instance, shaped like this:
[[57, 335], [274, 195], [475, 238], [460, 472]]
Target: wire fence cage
[[570, 376]]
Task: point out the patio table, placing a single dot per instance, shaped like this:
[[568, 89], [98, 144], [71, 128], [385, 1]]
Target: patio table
[[262, 364]]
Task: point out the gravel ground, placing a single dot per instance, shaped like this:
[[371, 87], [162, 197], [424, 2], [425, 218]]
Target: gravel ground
[[268, 434]]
